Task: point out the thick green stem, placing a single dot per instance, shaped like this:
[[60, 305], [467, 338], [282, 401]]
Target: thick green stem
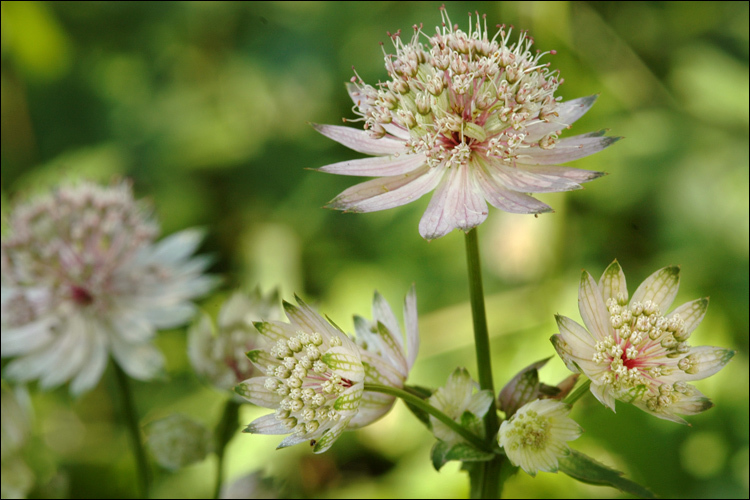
[[580, 391], [427, 407], [225, 430], [490, 477], [131, 420]]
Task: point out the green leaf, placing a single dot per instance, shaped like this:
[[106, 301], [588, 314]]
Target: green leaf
[[438, 452], [467, 453], [424, 393], [443, 453], [587, 470]]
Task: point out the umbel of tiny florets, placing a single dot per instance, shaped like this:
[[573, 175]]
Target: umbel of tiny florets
[[313, 379], [473, 118], [536, 436], [635, 352], [82, 277]]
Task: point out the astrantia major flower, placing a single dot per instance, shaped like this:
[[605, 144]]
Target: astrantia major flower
[[385, 358], [536, 436], [632, 350], [218, 353], [459, 401], [473, 118], [313, 379], [82, 278]]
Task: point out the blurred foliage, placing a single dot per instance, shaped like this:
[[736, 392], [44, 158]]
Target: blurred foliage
[[206, 106]]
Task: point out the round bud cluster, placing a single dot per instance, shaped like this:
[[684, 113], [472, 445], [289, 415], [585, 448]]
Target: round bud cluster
[[462, 93], [308, 384]]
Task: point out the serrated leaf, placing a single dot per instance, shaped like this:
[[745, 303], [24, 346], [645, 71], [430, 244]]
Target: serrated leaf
[[424, 393], [587, 470], [522, 388]]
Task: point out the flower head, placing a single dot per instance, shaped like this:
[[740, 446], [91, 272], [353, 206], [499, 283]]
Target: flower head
[[219, 353], [384, 355], [313, 379], [82, 278], [459, 401], [536, 436], [473, 118], [633, 350]]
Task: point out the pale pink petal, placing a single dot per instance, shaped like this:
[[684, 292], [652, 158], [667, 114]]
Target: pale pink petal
[[577, 175], [569, 149], [612, 283], [456, 204], [388, 192], [505, 199], [706, 360], [604, 395], [90, 374], [661, 287], [412, 326], [377, 166], [360, 140], [267, 424], [593, 310], [568, 112], [691, 313], [526, 181], [381, 311]]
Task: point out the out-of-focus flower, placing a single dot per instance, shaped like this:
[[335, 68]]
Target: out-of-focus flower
[[473, 118], [314, 379], [536, 436], [219, 353], [15, 428], [459, 401], [387, 361], [177, 441], [82, 278], [633, 351]]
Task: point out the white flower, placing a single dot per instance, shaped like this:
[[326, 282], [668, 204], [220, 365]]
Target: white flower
[[177, 441], [635, 352], [219, 353], [314, 379], [536, 436], [83, 278], [384, 355], [459, 401], [474, 119]]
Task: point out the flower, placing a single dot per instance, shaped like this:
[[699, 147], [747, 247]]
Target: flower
[[218, 353], [473, 118], [535, 437], [177, 441], [384, 355], [459, 401], [83, 278], [314, 379], [632, 350]]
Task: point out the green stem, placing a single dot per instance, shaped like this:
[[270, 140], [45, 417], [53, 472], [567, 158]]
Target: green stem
[[490, 477], [580, 391], [131, 420], [225, 430], [427, 407]]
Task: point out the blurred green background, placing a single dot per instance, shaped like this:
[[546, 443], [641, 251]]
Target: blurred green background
[[206, 106]]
